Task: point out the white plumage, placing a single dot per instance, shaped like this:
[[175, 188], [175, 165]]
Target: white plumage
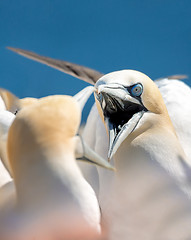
[[52, 195], [152, 180], [149, 196], [177, 96]]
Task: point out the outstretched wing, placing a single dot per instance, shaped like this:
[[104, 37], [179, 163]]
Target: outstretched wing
[[176, 76], [84, 73]]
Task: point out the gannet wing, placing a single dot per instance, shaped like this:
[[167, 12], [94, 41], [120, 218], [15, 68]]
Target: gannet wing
[[176, 76], [177, 98], [84, 73]]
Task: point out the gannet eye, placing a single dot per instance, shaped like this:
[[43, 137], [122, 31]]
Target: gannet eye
[[137, 90]]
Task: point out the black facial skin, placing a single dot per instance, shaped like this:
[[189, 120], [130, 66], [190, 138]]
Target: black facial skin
[[119, 112]]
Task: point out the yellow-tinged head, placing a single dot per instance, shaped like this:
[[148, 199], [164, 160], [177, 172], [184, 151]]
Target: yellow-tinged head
[[48, 124], [126, 79], [25, 102], [125, 97], [11, 102], [47, 129]]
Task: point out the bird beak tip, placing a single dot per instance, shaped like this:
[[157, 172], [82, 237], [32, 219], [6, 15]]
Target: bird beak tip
[[112, 168]]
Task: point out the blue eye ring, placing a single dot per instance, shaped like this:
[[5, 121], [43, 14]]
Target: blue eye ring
[[137, 90]]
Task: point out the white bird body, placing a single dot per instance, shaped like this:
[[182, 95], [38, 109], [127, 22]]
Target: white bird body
[[152, 182], [155, 147], [177, 96], [60, 190], [146, 202], [52, 196]]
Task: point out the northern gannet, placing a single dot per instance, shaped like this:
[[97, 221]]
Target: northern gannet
[[9, 106], [131, 106], [152, 170], [42, 145], [176, 94], [175, 169]]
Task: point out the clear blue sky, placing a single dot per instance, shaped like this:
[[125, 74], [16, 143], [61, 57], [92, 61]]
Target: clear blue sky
[[152, 36]]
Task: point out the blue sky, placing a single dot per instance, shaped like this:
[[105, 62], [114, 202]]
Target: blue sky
[[152, 36]]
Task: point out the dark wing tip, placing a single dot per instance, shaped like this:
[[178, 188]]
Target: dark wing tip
[[84, 73], [176, 76]]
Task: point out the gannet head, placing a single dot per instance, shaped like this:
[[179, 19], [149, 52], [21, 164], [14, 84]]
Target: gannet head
[[45, 128], [25, 102], [11, 102], [124, 97], [42, 127]]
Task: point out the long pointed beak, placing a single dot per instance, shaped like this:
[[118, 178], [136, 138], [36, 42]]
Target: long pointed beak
[[121, 111], [83, 96], [115, 140], [117, 91], [85, 153]]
